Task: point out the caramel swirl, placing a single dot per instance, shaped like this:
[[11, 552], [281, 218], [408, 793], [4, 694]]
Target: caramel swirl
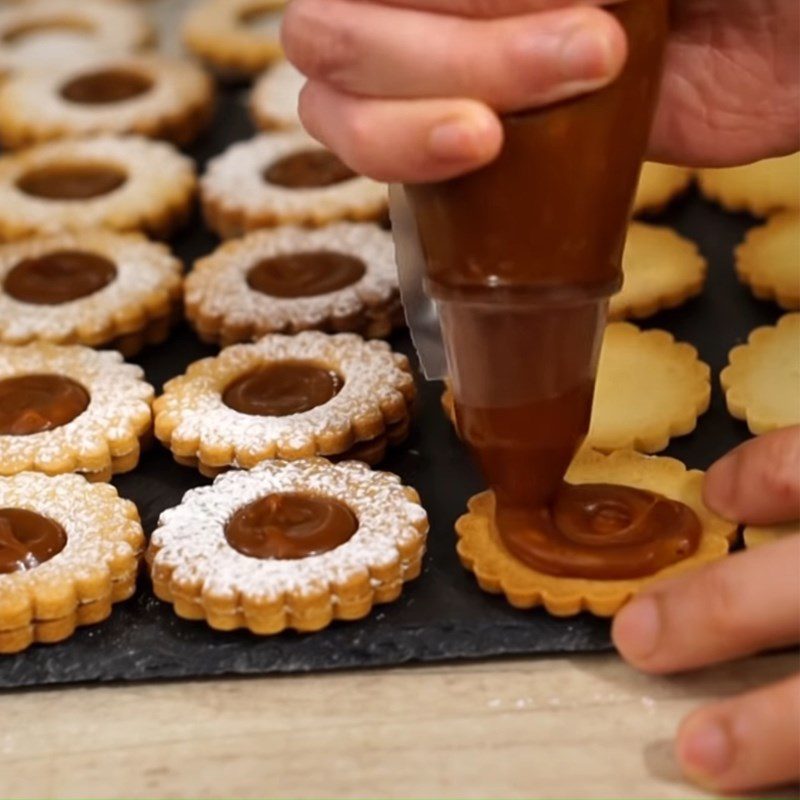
[[27, 539], [308, 169], [305, 274], [58, 277], [106, 86], [290, 526], [282, 388], [601, 531], [36, 403], [78, 181]]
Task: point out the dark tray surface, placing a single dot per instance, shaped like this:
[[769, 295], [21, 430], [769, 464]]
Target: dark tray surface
[[441, 616]]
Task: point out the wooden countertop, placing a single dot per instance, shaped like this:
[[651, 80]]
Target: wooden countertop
[[577, 727]]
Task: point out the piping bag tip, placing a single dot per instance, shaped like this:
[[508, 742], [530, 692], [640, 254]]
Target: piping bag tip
[[420, 310]]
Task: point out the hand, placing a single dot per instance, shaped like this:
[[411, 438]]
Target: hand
[[742, 605], [406, 90]]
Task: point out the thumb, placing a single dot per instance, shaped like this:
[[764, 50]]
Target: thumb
[[758, 483]]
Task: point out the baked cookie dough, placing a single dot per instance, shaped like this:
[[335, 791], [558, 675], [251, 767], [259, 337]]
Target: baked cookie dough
[[273, 101], [659, 185]]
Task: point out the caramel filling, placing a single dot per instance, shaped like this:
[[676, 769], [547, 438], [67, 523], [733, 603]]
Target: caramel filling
[[106, 86], [308, 169], [290, 525], [305, 274], [601, 531], [282, 388], [36, 403], [27, 539], [59, 277], [78, 181], [29, 30]]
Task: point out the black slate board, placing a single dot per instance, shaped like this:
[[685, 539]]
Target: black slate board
[[441, 616]]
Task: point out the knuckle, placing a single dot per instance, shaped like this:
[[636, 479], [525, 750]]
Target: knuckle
[[318, 38]]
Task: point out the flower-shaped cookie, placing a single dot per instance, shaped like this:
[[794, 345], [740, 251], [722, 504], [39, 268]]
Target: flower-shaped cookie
[[71, 409], [659, 184], [482, 550], [119, 182], [286, 397], [288, 545], [68, 551], [97, 288], [762, 380], [150, 95], [339, 278], [285, 178]]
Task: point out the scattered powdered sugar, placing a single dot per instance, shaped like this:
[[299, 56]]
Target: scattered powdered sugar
[[234, 181], [92, 26], [158, 178], [276, 94], [119, 409], [33, 98], [218, 286], [191, 537], [102, 530], [375, 380], [147, 274]]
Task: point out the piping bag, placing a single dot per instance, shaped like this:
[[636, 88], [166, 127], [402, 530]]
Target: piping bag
[[505, 273]]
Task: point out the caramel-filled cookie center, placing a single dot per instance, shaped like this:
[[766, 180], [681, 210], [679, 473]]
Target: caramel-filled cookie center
[[602, 532], [290, 526], [28, 539], [59, 277], [305, 274], [77, 181], [282, 388], [308, 169], [106, 86], [35, 403]]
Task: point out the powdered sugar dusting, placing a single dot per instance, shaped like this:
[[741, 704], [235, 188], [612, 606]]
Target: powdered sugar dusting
[[376, 380], [191, 537], [275, 96], [118, 413], [147, 274], [218, 286]]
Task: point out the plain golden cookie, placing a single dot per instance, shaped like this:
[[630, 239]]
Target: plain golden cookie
[[769, 260], [90, 564], [195, 567], [482, 551], [659, 184], [660, 268], [756, 535], [761, 188], [762, 379]]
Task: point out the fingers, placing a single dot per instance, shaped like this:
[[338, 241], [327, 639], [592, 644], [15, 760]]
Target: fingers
[[735, 607], [490, 8], [745, 743], [759, 482], [369, 49], [402, 140]]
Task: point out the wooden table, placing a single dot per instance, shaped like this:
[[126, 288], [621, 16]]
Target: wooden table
[[578, 727]]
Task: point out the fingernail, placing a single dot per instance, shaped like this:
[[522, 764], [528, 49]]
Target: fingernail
[[453, 140], [705, 749], [721, 485], [586, 55], [637, 629]]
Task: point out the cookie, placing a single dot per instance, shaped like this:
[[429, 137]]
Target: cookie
[[120, 182], [339, 278], [659, 185], [762, 379], [288, 545], [624, 415], [761, 188], [96, 288], [769, 260], [287, 397], [150, 95], [71, 409], [660, 270], [285, 179], [756, 535], [69, 550], [483, 552], [50, 33], [237, 38], [274, 99]]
